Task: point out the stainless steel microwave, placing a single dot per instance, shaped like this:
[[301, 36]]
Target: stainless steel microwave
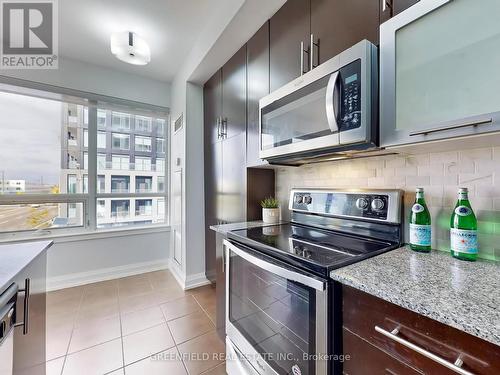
[[330, 109]]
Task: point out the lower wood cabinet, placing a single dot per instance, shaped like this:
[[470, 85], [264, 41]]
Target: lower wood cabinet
[[365, 358], [362, 313]]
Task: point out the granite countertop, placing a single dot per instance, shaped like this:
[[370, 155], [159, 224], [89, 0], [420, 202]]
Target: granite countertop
[[15, 257], [224, 228], [464, 295]]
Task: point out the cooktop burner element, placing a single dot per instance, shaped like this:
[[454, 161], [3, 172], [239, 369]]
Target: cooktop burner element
[[330, 229]]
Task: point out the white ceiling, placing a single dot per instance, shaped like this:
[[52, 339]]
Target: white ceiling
[[171, 28]]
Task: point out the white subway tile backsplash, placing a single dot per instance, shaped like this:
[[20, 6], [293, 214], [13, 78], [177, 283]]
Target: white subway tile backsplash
[[443, 157], [439, 173]]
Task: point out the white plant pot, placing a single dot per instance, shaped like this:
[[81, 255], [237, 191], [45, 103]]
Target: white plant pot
[[271, 215]]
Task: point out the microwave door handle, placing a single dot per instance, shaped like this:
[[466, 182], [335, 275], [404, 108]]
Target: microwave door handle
[[330, 105]]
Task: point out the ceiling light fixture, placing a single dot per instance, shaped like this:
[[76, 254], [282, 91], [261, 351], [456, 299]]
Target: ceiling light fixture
[[130, 48]]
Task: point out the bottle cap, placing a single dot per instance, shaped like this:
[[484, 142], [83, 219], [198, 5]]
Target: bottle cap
[[463, 190], [420, 190]]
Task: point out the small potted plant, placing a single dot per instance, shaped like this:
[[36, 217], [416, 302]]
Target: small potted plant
[[270, 210]]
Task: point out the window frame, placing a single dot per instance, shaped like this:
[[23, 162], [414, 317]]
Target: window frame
[[92, 102]]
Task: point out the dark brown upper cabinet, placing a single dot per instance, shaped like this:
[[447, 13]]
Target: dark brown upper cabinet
[[306, 33], [288, 28], [212, 107], [234, 91], [258, 86], [390, 8], [339, 24]]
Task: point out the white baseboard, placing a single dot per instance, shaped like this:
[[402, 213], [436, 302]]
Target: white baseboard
[[189, 282], [103, 274]]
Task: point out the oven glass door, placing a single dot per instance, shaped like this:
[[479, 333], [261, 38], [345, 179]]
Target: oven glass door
[[276, 316]]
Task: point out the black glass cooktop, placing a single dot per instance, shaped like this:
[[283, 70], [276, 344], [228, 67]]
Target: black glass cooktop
[[314, 249]]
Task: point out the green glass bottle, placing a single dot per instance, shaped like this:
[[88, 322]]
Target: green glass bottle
[[420, 224], [463, 229]]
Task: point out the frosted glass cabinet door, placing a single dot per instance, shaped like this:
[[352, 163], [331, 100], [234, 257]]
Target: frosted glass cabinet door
[[440, 71]]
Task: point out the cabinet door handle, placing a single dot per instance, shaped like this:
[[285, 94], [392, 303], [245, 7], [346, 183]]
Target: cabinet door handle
[[26, 313], [454, 126], [386, 4], [224, 128], [218, 127], [393, 335], [313, 44], [302, 51]]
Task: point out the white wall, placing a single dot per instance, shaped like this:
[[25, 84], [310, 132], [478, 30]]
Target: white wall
[[99, 80], [236, 22], [74, 261]]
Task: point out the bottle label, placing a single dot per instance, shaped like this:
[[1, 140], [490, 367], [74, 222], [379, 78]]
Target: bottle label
[[420, 235], [417, 207], [463, 211], [464, 241]]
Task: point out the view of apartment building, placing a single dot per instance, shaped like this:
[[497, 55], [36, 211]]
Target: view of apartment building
[[131, 159]]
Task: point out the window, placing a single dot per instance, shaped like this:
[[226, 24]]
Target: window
[[46, 164], [143, 124], [72, 184], [160, 127], [160, 165], [161, 184], [160, 145], [72, 210], [101, 208], [101, 139], [120, 184], [120, 121], [142, 163], [121, 141], [120, 208], [101, 183], [161, 208], [143, 184], [101, 119], [143, 144], [101, 161], [120, 162], [143, 207]]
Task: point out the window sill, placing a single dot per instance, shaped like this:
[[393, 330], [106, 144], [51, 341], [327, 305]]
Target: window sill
[[86, 235]]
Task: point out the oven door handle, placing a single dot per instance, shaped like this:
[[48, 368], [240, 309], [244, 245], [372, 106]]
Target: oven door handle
[[309, 281], [329, 102]]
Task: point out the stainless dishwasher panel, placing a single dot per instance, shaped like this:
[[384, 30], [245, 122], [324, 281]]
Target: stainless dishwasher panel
[[7, 321]]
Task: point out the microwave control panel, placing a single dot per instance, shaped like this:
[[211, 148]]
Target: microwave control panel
[[350, 100]]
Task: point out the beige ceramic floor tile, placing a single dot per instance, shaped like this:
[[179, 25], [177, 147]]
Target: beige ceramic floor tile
[[190, 326], [94, 334], [53, 367], [205, 295], [138, 302], [99, 359], [56, 342], [208, 345], [180, 307], [142, 319], [142, 344], [219, 370], [167, 362]]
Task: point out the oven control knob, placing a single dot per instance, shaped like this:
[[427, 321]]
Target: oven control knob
[[308, 199], [298, 199], [377, 204], [362, 203]]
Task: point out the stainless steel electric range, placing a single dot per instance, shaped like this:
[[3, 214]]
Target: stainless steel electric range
[[282, 310]]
